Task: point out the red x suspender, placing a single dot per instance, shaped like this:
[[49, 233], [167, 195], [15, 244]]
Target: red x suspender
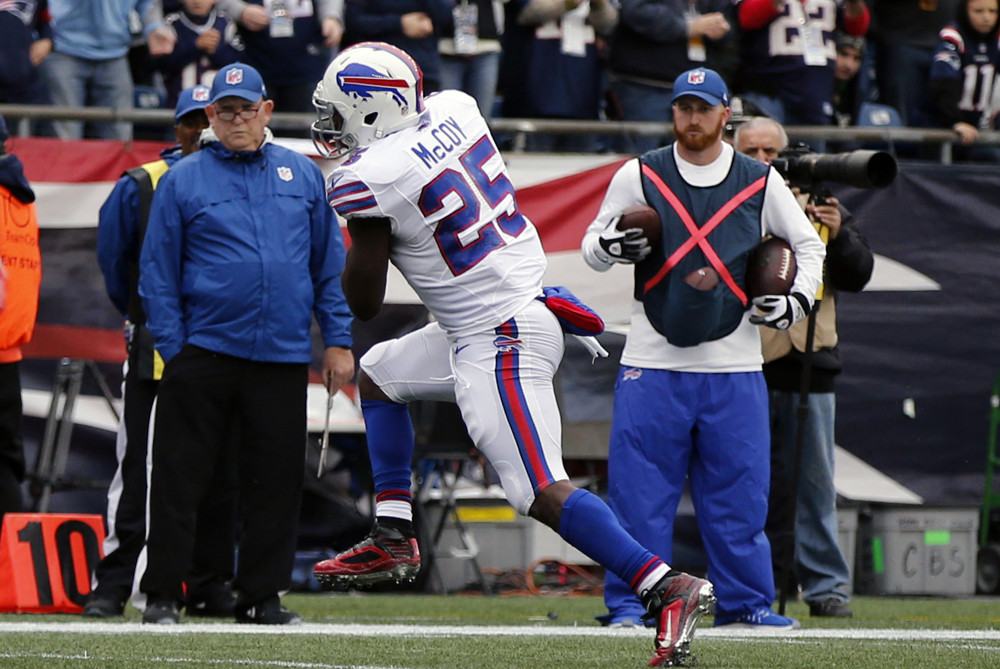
[[699, 235]]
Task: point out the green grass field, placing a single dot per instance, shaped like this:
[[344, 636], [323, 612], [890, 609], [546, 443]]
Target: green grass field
[[381, 631]]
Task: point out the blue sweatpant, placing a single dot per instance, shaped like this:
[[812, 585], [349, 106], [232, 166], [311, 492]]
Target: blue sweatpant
[[712, 430]]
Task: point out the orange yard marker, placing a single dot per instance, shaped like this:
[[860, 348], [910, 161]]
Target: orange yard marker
[[46, 561]]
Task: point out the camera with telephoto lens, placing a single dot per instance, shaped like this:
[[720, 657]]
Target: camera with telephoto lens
[[820, 197], [861, 168]]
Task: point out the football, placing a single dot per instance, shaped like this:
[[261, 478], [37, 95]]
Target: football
[[770, 268], [643, 217]]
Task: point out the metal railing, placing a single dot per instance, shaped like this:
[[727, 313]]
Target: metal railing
[[517, 128]]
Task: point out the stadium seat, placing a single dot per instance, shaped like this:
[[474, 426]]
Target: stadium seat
[[148, 97], [873, 114]]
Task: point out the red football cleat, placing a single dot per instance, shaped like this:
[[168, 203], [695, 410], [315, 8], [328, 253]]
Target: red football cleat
[[677, 602], [386, 554]]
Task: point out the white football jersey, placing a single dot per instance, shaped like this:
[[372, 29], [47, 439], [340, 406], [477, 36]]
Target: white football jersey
[[458, 236]]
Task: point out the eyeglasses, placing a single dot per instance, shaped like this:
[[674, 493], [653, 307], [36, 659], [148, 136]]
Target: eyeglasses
[[246, 113]]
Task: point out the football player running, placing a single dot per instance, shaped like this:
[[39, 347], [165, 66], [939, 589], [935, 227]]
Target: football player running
[[424, 187]]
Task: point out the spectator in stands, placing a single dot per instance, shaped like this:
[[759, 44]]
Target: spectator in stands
[[961, 90], [553, 66], [89, 60], [470, 50], [206, 41], [415, 26], [289, 43], [20, 278], [25, 41], [905, 34], [653, 43], [787, 55], [847, 97]]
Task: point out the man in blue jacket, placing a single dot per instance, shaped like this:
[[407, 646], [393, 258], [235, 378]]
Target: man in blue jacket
[[120, 231], [242, 250]]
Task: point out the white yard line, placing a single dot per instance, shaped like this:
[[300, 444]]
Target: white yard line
[[201, 662], [315, 629]]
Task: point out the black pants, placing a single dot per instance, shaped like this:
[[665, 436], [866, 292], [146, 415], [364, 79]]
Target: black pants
[[214, 546], [199, 397], [11, 441]]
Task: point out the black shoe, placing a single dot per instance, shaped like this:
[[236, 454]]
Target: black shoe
[[213, 603], [103, 607], [161, 612], [267, 612], [831, 607]]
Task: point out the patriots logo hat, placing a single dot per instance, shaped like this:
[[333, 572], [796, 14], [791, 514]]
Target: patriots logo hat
[[702, 83], [238, 79]]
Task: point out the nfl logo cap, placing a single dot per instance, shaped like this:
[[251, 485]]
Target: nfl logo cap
[[191, 99], [702, 83], [238, 79]]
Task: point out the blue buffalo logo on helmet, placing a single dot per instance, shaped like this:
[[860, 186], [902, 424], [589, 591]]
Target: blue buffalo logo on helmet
[[370, 90], [359, 80]]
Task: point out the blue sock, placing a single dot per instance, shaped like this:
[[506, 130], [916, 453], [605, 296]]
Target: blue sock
[[590, 526], [390, 444]]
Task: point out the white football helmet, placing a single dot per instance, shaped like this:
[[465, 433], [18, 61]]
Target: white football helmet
[[370, 90]]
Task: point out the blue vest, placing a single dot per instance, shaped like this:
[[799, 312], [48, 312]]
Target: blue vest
[[685, 315]]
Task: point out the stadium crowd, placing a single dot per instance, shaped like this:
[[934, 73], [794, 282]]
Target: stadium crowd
[[566, 59]]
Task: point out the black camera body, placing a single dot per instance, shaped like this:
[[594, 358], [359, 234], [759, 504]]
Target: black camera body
[[862, 168], [820, 196]]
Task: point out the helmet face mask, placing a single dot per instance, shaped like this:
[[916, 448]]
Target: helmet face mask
[[328, 130], [369, 91]]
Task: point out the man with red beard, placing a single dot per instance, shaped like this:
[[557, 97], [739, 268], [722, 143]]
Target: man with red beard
[[690, 400]]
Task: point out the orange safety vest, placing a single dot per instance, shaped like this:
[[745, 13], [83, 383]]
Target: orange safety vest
[[22, 262]]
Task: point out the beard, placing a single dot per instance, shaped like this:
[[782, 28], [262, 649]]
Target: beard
[[698, 142]]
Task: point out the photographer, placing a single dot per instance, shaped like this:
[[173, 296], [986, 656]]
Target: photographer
[[820, 566]]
